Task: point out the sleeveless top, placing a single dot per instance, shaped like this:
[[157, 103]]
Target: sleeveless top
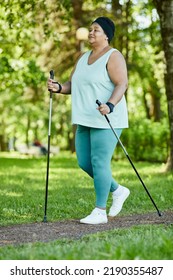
[[89, 83]]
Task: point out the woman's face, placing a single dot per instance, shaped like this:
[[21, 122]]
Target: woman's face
[[96, 34]]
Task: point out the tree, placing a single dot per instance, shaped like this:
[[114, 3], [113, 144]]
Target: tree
[[36, 36], [165, 11]]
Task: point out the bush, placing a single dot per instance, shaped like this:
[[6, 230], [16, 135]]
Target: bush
[[146, 140]]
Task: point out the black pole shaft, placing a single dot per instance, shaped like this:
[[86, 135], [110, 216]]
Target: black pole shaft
[[159, 213], [47, 181], [144, 185], [48, 151]]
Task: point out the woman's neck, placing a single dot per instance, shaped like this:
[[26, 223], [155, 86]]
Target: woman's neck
[[100, 48], [96, 53]]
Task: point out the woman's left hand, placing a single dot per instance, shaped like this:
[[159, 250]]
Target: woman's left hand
[[104, 109]]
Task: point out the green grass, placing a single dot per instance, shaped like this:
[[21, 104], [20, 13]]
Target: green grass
[[71, 196], [139, 242]]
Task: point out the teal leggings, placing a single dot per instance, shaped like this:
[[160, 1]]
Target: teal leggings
[[94, 149]]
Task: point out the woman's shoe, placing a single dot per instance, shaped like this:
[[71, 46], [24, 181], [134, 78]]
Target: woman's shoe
[[119, 196], [96, 217]]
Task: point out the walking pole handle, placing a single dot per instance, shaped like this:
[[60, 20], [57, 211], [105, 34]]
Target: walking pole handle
[[52, 74], [98, 102], [51, 77]]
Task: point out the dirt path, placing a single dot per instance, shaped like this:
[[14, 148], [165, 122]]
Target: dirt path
[[50, 231]]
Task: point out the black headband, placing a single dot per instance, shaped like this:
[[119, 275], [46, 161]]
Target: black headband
[[107, 25]]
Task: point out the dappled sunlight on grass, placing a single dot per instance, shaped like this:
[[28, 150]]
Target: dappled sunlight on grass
[[71, 191], [70, 196], [7, 193]]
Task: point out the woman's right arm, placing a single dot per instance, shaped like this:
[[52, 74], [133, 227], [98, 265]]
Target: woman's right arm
[[55, 87], [65, 88]]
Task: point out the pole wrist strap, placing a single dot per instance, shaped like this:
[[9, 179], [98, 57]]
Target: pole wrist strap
[[111, 106], [60, 87]]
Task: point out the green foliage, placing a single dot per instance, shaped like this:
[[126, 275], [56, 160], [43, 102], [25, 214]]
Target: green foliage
[[146, 140], [36, 36]]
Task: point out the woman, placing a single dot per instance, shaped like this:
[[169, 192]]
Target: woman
[[99, 74]]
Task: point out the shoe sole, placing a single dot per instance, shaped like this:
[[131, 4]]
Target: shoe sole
[[85, 223], [112, 217]]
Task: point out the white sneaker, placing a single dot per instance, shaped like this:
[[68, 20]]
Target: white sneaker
[[118, 200], [95, 218]]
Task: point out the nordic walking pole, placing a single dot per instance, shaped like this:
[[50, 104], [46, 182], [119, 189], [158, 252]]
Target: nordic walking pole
[[48, 149], [99, 103]]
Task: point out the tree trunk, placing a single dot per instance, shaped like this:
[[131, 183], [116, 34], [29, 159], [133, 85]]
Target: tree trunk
[[3, 146], [165, 11], [27, 129]]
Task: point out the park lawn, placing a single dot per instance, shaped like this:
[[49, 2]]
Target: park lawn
[[71, 196], [149, 242]]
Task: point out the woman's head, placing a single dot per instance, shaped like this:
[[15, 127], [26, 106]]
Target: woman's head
[[107, 25]]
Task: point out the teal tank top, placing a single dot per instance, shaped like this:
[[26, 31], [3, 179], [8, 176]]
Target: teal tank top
[[92, 82]]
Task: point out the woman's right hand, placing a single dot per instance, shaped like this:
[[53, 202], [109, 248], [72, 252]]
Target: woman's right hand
[[53, 85]]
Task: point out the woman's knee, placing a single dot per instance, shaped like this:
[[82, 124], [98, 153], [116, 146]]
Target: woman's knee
[[85, 166], [100, 163]]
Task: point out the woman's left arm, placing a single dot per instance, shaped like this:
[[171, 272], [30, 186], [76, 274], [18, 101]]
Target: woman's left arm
[[118, 74]]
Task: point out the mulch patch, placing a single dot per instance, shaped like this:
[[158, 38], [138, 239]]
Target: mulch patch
[[72, 229]]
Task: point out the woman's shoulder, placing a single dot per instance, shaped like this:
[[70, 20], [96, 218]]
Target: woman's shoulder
[[115, 53], [117, 59]]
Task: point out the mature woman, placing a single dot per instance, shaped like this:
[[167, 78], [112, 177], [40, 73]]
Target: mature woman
[[101, 74]]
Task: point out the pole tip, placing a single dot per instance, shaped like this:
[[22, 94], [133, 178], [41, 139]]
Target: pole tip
[[45, 219], [160, 214]]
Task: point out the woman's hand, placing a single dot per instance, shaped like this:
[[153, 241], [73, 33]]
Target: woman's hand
[[104, 109], [53, 85]]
